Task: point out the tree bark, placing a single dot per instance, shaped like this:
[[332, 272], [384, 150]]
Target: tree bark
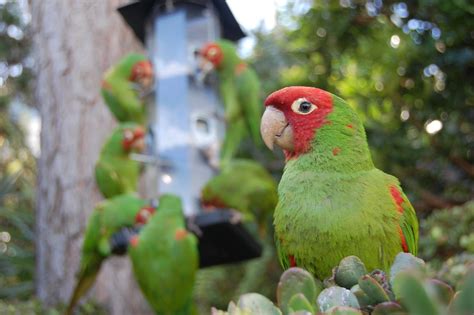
[[74, 43]]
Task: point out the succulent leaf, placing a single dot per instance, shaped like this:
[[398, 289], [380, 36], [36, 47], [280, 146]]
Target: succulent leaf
[[463, 301], [410, 291], [440, 290], [343, 310], [373, 289], [336, 296], [254, 303], [388, 308], [363, 299], [299, 303], [349, 271], [294, 281], [404, 262]]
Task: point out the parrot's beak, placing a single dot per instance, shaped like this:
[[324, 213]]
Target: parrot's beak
[[138, 142], [206, 66], [139, 145], [275, 129]]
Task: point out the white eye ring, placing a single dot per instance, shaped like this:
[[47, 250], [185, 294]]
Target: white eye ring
[[303, 107], [212, 52], [128, 134]]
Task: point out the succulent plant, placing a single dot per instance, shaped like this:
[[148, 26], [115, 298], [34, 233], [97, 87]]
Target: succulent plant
[[299, 303], [343, 310], [408, 291], [349, 271], [249, 304], [336, 296], [404, 262], [293, 282], [373, 289], [388, 308]]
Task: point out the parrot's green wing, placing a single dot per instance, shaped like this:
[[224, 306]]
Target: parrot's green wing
[[115, 172], [120, 94], [165, 259], [283, 257], [229, 96], [115, 176], [236, 131], [246, 186], [123, 100], [248, 86], [408, 220]]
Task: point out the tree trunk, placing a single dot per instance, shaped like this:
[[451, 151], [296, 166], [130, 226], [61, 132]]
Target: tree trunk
[[74, 43]]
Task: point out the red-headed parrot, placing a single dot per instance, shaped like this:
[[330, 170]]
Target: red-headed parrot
[[115, 172], [246, 186], [125, 85], [108, 217], [239, 89], [165, 259], [333, 202]]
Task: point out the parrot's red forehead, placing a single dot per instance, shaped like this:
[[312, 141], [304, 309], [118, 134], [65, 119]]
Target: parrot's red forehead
[[285, 97], [213, 53], [141, 69]]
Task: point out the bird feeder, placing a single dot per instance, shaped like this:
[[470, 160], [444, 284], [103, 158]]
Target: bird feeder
[[185, 128]]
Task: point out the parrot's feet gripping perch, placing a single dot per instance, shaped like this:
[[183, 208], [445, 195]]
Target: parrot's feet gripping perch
[[236, 217], [120, 240]]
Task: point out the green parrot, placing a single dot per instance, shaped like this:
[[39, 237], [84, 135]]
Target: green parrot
[[108, 217], [239, 88], [165, 259], [125, 85], [246, 186], [333, 202], [115, 172]]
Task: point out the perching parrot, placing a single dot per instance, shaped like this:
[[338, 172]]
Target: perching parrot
[[164, 257], [246, 186], [115, 172], [239, 89], [108, 217], [125, 85], [333, 202]]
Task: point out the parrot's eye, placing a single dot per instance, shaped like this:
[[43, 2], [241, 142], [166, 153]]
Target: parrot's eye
[[128, 134], [303, 107], [212, 52]]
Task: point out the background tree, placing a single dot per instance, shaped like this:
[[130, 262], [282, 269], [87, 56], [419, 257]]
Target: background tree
[[74, 43], [17, 165], [407, 69]]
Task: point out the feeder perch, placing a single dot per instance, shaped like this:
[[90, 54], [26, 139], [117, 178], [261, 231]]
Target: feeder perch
[[184, 128]]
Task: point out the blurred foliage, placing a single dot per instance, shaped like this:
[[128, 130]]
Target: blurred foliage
[[17, 165], [447, 242], [447, 233], [402, 65]]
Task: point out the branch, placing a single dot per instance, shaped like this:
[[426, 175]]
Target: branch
[[462, 163]]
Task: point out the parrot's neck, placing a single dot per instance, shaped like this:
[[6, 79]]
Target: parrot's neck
[[339, 146], [228, 67]]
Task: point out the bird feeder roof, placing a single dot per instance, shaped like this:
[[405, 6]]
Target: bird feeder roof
[[136, 15]]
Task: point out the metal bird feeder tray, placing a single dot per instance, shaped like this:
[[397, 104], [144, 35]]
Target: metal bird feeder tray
[[185, 130]]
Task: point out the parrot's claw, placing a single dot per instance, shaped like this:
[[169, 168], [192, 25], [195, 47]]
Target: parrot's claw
[[219, 116], [236, 216], [192, 226], [119, 240]]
